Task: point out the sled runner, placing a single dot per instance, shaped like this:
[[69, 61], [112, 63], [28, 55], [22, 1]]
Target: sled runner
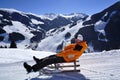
[[61, 68]]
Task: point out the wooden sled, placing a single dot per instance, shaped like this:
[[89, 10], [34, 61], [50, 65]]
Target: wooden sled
[[63, 67]]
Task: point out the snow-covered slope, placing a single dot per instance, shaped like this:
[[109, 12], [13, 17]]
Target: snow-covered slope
[[101, 66], [59, 37], [53, 31], [100, 30], [103, 28], [28, 28], [95, 66], [18, 55]]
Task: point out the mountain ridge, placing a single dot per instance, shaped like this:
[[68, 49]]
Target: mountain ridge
[[100, 30], [12, 23]]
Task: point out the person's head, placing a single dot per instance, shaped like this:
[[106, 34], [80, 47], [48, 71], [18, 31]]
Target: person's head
[[79, 38]]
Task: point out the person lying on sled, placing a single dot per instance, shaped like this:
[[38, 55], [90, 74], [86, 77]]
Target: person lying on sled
[[70, 53]]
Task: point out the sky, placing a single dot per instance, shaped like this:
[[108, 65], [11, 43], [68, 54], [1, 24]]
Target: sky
[[58, 6]]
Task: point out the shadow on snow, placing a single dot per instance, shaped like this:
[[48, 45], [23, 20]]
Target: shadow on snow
[[65, 76]]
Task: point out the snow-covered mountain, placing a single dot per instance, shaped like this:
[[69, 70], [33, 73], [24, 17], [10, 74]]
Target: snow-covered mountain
[[52, 32], [28, 28], [57, 38], [100, 30]]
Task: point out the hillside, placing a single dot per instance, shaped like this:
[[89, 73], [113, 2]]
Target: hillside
[[28, 28], [52, 32], [100, 30]]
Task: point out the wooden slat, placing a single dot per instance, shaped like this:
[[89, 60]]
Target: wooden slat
[[64, 66], [73, 67], [69, 66], [72, 61], [73, 64]]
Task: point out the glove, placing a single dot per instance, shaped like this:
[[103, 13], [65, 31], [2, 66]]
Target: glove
[[78, 47]]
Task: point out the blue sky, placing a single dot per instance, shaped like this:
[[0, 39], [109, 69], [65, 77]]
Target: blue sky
[[58, 6]]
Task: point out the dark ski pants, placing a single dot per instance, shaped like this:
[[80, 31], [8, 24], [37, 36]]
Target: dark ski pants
[[47, 61]]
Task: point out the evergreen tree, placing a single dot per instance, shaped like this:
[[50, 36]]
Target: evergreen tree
[[1, 47], [5, 46], [13, 44]]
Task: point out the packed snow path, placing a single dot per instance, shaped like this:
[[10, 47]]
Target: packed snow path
[[94, 66], [101, 66]]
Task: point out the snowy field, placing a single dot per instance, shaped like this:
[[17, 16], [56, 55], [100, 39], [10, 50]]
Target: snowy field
[[94, 66]]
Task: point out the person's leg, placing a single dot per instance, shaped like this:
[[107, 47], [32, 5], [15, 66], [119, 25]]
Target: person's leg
[[37, 60], [27, 67], [50, 60]]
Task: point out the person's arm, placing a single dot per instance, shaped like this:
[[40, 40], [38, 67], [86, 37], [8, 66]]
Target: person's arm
[[78, 47]]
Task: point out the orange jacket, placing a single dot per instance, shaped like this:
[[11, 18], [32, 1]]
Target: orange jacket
[[69, 54]]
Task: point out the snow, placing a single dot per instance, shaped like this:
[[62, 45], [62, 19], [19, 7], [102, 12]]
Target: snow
[[34, 21], [72, 15], [52, 16], [10, 10], [58, 37], [1, 15], [102, 66], [19, 28], [100, 26], [18, 55], [94, 66]]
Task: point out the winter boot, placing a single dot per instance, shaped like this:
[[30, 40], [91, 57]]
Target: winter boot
[[37, 60], [27, 67]]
